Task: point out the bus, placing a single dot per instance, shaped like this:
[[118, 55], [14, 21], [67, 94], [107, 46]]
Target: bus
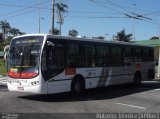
[[47, 64]]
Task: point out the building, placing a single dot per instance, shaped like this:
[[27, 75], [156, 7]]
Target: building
[[156, 44]]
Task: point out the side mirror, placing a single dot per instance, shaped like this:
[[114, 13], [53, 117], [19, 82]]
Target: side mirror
[[50, 43]]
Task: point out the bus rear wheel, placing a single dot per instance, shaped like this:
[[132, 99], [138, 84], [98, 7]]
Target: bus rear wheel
[[137, 80], [77, 87]]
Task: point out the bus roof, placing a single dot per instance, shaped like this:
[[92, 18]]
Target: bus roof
[[85, 39]]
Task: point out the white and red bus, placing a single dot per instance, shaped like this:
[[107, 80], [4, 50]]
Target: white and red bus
[[46, 64]]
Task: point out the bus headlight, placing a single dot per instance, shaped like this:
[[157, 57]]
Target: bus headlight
[[34, 83]]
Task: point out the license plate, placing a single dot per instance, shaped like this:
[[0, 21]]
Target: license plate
[[20, 88]]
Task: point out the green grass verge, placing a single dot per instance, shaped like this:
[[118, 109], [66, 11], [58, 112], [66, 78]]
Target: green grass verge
[[3, 70]]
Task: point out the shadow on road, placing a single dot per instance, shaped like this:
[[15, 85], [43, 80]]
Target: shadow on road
[[3, 88], [110, 92]]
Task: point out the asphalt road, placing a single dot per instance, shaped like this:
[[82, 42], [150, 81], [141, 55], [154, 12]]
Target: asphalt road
[[113, 100]]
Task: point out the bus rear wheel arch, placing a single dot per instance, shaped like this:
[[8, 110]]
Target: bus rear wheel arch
[[77, 85], [151, 74]]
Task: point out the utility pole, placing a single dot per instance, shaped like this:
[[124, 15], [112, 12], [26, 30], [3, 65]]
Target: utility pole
[[133, 25], [158, 34], [39, 24], [52, 19]]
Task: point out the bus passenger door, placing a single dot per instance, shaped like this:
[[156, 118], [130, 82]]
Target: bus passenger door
[[54, 65]]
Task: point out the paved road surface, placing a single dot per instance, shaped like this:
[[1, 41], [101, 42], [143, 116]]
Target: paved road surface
[[115, 99]]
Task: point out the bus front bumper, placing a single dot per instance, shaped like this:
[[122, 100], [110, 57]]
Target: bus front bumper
[[37, 89]]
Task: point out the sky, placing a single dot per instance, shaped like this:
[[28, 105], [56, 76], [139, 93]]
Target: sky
[[91, 18]]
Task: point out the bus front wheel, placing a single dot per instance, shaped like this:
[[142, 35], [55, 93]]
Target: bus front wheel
[[77, 86]]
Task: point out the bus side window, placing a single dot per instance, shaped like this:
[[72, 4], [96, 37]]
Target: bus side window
[[116, 55], [127, 57], [72, 57], [138, 54], [89, 56], [52, 60], [102, 56], [58, 57]]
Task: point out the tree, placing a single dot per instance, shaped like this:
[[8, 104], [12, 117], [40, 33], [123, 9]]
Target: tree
[[7, 34], [7, 30], [73, 33], [5, 27], [1, 37], [121, 36], [99, 37], [56, 31], [61, 9], [5, 42], [21, 33], [154, 38], [15, 32]]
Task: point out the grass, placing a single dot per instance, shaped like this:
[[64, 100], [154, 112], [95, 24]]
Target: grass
[[3, 70]]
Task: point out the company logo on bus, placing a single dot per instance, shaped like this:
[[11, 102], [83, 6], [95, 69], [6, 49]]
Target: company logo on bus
[[20, 88]]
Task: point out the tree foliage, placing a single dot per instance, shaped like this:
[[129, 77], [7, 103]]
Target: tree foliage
[[122, 36], [73, 33], [1, 37], [154, 38], [61, 9], [15, 31], [7, 30], [56, 31], [5, 42], [7, 33], [99, 37], [5, 27]]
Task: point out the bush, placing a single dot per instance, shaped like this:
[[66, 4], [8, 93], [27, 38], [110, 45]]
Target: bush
[[3, 70]]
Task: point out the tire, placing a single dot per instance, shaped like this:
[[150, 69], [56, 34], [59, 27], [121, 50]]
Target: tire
[[77, 87], [137, 80]]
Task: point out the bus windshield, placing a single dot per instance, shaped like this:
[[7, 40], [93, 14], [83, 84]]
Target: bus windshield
[[24, 56]]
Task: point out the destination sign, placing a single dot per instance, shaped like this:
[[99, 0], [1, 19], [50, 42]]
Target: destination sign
[[28, 40]]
